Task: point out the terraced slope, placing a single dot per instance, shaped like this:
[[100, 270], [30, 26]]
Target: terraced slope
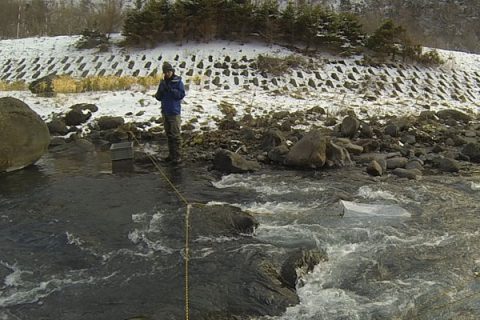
[[222, 73], [227, 67]]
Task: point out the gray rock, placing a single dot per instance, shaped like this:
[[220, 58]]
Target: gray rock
[[278, 153], [309, 152], [374, 169], [229, 162], [24, 135], [84, 106], [427, 115], [437, 148], [447, 165], [75, 118], [79, 113], [392, 130], [353, 148], [472, 150], [271, 139], [107, 122], [453, 114], [57, 127], [337, 156], [411, 174], [470, 133], [396, 162], [43, 86], [414, 164], [350, 126], [56, 141], [368, 145], [298, 264], [78, 146], [366, 131], [408, 139]]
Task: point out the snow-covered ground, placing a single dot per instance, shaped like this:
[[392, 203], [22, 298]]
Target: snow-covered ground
[[226, 75]]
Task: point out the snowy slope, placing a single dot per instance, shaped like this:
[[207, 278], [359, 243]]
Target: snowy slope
[[227, 75]]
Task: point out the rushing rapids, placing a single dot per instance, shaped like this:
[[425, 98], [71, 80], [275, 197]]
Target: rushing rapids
[[78, 242]]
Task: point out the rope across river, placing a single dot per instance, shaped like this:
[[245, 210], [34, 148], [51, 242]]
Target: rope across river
[[188, 206]]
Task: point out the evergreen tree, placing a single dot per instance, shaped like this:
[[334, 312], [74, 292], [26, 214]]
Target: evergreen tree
[[387, 39], [306, 25], [287, 22], [266, 16], [350, 28]]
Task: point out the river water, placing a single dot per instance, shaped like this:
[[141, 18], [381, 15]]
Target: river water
[[77, 242]]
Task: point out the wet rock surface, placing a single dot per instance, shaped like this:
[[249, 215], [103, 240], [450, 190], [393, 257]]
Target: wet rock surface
[[24, 135]]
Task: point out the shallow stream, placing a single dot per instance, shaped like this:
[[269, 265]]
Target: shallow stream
[[77, 242]]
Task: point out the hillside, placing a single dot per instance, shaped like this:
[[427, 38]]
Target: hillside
[[224, 73], [448, 24]]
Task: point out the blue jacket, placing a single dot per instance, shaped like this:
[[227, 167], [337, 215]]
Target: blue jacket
[[170, 93]]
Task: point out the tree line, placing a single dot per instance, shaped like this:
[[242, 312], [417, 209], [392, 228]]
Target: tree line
[[204, 20], [26, 18], [299, 24]]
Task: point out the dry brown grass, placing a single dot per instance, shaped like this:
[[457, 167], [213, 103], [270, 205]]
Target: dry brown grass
[[13, 86], [67, 84]]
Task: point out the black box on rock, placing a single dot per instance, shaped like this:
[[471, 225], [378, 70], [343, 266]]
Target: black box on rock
[[122, 157]]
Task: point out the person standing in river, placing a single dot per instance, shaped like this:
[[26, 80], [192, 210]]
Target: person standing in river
[[170, 93]]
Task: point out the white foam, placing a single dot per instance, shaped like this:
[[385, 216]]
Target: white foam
[[139, 236], [215, 239], [23, 293], [13, 279], [368, 193], [71, 239], [274, 207], [354, 209], [266, 184], [139, 217]]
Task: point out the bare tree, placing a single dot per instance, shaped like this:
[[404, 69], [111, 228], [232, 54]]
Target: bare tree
[[109, 16]]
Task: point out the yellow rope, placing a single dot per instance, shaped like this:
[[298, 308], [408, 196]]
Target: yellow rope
[[187, 227], [187, 259]]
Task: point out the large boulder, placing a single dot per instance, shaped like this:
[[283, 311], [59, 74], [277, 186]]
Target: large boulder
[[44, 86], [24, 136], [309, 152], [230, 162]]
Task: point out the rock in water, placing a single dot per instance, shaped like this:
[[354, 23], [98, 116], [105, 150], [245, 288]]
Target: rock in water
[[229, 162], [299, 263], [24, 136], [309, 152]]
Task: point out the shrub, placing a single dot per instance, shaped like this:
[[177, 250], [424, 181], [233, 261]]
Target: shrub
[[93, 39], [430, 58], [279, 65]]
